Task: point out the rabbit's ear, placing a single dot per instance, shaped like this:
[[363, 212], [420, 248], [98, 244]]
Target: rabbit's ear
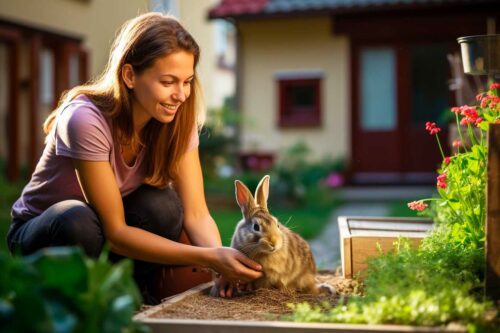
[[262, 192], [244, 197]]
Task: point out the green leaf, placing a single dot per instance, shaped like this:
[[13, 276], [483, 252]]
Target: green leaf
[[61, 268]]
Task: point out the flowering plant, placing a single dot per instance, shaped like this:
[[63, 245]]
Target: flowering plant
[[439, 282], [462, 177]]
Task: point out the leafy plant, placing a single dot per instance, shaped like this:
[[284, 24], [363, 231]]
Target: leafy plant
[[441, 281], [60, 290]]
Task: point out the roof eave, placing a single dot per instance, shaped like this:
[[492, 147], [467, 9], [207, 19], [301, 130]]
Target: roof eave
[[391, 8]]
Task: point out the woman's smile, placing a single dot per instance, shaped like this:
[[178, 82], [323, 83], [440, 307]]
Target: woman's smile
[[170, 109]]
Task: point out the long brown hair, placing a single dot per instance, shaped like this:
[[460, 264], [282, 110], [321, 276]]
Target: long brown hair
[[139, 43]]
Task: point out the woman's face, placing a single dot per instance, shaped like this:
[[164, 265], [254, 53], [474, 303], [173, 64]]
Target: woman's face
[[161, 89]]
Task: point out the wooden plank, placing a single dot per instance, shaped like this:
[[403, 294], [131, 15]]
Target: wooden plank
[[366, 247], [492, 277], [220, 326], [34, 101], [389, 225], [359, 237], [345, 247], [387, 233]]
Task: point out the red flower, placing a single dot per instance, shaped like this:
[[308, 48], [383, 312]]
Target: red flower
[[441, 181], [478, 121], [456, 143], [432, 128], [470, 115], [417, 205], [479, 97], [447, 160], [455, 109], [495, 86], [494, 100]]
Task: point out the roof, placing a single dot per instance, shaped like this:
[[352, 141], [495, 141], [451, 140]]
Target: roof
[[262, 8]]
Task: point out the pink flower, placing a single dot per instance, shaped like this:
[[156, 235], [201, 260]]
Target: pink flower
[[417, 205], [456, 143], [455, 109], [479, 97], [334, 180], [447, 160], [441, 181], [478, 121], [432, 128], [495, 86]]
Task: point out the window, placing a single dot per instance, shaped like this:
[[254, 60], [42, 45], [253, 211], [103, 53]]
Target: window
[[47, 82], [299, 102], [378, 89]]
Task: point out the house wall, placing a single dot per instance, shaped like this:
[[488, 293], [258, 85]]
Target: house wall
[[305, 44], [217, 83], [95, 22]]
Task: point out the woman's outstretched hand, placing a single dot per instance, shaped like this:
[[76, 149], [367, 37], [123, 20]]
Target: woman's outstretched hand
[[235, 266]]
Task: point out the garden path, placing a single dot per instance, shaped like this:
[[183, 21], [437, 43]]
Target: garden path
[[326, 248]]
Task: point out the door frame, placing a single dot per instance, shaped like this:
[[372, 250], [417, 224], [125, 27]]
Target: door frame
[[12, 39]]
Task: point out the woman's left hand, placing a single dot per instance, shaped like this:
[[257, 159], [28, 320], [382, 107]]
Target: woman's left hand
[[225, 287]]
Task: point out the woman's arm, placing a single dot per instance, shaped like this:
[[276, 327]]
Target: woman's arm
[[101, 192], [99, 187], [198, 223]]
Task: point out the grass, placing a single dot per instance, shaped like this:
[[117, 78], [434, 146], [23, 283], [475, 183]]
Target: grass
[[307, 222], [400, 209]]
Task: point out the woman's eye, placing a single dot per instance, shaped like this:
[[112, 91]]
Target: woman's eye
[[256, 227], [167, 83], [187, 83]]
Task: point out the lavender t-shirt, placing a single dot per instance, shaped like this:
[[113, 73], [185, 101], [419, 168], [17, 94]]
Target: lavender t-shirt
[[81, 132]]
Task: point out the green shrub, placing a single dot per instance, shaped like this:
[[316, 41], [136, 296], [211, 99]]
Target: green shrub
[[60, 290]]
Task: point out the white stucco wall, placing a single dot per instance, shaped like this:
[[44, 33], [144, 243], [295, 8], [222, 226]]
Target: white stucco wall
[[294, 45]]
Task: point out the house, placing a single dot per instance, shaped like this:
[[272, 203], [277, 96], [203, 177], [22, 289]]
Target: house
[[355, 79], [49, 46]]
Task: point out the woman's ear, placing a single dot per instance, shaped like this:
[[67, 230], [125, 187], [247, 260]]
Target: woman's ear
[[128, 76]]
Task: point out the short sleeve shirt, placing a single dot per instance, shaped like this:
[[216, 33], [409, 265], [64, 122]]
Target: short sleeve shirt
[[81, 132]]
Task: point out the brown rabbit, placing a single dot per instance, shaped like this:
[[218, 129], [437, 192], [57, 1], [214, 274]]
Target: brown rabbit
[[286, 259]]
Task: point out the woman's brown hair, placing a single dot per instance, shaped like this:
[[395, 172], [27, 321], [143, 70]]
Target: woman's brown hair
[[139, 43]]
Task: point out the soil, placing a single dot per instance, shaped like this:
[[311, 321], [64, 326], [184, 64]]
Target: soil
[[262, 304]]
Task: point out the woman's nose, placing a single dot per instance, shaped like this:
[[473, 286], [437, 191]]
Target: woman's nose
[[179, 94]]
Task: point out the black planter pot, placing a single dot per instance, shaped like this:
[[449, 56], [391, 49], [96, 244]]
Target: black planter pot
[[481, 54]]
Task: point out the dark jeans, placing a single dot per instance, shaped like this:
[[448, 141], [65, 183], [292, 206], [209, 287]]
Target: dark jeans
[[72, 222]]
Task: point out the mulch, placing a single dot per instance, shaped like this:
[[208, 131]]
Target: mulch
[[258, 305]]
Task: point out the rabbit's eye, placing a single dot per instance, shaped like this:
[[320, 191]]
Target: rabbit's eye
[[256, 227]]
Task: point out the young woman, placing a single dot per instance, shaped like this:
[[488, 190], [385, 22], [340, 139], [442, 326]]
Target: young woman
[[121, 162]]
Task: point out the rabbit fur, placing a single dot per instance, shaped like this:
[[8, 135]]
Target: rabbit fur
[[286, 258]]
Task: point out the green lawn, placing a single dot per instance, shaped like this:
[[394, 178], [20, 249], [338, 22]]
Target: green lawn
[[306, 222], [400, 209]]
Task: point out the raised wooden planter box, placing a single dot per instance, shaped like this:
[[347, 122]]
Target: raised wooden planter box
[[359, 237], [159, 325]]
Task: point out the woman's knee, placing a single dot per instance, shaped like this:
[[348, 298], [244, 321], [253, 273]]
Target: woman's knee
[[78, 224], [156, 210]]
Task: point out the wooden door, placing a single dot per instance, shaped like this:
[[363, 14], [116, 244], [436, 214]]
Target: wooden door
[[397, 87]]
